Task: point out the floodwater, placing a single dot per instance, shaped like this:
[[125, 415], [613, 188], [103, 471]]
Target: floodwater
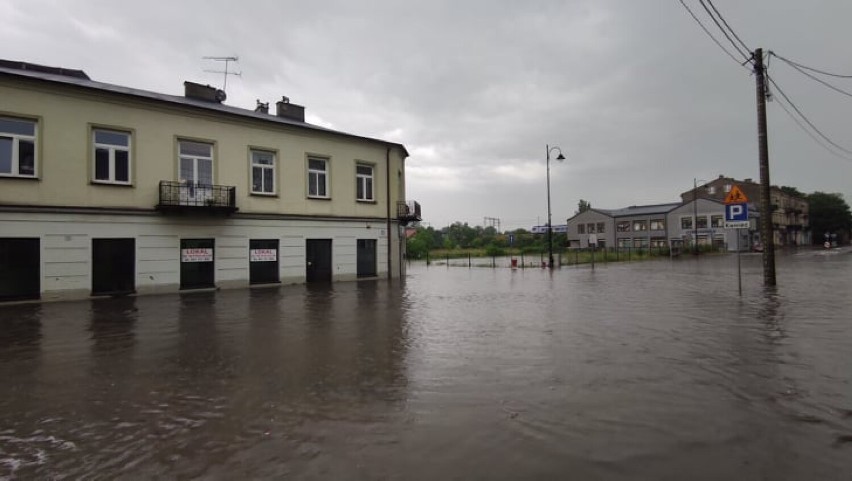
[[645, 370]]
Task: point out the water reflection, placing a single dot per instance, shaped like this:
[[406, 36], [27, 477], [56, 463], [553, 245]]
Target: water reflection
[[654, 370]]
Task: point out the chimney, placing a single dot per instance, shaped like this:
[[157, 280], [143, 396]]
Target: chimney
[[748, 181], [290, 111], [206, 93], [262, 108]]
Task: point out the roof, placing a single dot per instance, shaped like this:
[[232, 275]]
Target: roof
[[79, 79], [634, 210]]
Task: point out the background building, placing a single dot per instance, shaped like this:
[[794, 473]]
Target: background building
[[106, 189], [789, 214]]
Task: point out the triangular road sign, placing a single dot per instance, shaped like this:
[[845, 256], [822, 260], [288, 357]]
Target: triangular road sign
[[736, 196]]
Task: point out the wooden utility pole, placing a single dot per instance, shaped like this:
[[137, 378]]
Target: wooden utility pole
[[766, 237]]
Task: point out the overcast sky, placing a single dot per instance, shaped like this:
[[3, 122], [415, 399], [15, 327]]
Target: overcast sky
[[639, 99]]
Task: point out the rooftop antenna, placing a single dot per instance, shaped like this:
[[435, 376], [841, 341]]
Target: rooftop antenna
[[226, 72]]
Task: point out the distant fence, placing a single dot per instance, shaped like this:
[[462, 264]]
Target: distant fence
[[571, 257]]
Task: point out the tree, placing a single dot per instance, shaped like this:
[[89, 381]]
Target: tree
[[828, 213], [583, 206], [792, 191]]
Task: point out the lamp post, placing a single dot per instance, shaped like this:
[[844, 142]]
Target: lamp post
[[549, 218], [695, 214]]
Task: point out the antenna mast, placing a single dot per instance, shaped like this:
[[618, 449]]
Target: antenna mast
[[226, 72]]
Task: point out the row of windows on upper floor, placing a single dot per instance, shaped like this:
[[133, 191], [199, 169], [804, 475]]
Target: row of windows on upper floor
[[112, 159], [686, 222]]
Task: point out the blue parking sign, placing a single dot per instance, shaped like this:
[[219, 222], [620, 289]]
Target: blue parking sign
[[736, 215]]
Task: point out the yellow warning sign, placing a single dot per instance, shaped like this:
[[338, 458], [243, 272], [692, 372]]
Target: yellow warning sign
[[736, 196]]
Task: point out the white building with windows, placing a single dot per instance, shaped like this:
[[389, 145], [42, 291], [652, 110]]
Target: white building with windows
[[106, 189]]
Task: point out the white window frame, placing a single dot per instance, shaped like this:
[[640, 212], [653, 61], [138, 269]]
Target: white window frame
[[112, 149], [196, 159], [267, 170], [691, 222], [361, 180], [314, 177], [14, 167]]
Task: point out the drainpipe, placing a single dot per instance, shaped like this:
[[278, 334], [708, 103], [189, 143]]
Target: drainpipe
[[388, 193]]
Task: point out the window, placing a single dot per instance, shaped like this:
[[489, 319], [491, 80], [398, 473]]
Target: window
[[717, 221], [640, 242], [658, 241], [581, 228], [590, 228], [640, 225], [112, 156], [658, 224], [623, 226], [727, 187], [17, 147], [601, 228], [364, 182], [686, 222], [711, 189], [196, 163], [701, 222], [262, 172], [318, 178], [624, 242]]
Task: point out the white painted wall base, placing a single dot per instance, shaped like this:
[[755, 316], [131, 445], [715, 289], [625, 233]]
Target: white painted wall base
[[66, 247]]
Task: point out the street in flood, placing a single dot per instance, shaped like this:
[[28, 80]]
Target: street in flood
[[643, 370]]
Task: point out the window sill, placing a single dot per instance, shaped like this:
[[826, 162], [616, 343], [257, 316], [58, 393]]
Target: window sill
[[110, 184], [364, 201], [23, 177], [263, 194], [312, 197]]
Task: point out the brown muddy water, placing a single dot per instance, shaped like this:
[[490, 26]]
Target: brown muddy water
[[653, 370]]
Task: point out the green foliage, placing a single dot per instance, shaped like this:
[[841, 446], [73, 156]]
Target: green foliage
[[792, 191], [828, 213], [493, 250]]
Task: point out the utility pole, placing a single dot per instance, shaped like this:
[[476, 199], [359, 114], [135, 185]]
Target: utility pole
[[765, 200]]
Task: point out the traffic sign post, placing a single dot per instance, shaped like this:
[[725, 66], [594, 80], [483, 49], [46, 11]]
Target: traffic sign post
[[736, 217]]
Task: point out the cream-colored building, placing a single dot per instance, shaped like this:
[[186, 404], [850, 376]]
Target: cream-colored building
[[106, 189]]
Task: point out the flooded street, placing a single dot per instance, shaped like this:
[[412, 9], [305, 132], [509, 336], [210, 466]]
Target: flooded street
[[644, 370]]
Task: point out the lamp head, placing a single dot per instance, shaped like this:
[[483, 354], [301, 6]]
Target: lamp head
[[561, 157]]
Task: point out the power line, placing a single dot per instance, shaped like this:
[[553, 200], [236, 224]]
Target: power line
[[811, 76], [711, 35], [805, 118], [724, 32], [728, 26], [809, 68], [810, 134]]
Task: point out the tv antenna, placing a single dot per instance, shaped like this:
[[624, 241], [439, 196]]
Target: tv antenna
[[226, 72]]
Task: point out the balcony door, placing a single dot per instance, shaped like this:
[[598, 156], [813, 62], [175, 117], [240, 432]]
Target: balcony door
[[196, 172]]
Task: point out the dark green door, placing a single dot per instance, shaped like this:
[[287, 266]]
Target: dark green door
[[20, 269], [318, 260], [197, 263], [113, 266]]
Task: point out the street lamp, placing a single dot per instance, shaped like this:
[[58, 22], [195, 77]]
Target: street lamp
[[549, 218], [695, 213]]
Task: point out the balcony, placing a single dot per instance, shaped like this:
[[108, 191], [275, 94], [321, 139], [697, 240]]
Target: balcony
[[184, 198], [408, 211]]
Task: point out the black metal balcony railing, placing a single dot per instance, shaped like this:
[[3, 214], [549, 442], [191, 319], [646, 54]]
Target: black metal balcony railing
[[190, 196], [408, 211]]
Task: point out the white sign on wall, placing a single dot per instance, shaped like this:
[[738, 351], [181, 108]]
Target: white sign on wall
[[196, 255], [263, 255]]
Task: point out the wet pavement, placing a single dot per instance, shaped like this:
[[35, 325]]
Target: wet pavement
[[645, 370]]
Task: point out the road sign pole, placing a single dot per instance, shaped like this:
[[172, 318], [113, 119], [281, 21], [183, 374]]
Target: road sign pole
[[739, 265]]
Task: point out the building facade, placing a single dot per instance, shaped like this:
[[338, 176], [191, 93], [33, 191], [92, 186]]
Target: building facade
[[789, 211], [637, 226], [106, 189], [702, 223]]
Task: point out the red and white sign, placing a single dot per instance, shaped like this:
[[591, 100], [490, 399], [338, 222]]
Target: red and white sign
[[196, 255], [263, 255]]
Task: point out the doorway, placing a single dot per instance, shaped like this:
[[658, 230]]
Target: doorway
[[113, 266], [318, 260]]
